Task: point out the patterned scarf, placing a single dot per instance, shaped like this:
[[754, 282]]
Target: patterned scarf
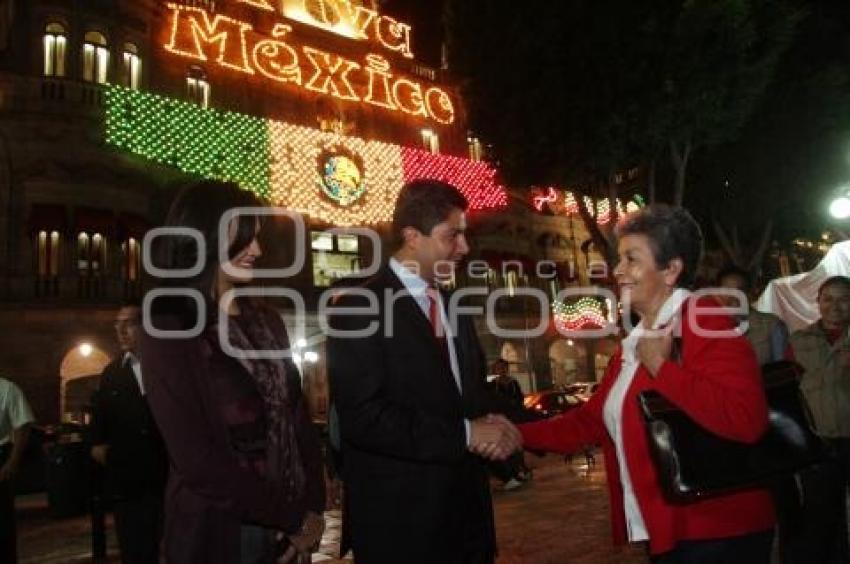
[[259, 327]]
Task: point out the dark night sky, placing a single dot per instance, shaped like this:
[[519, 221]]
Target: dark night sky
[[426, 18]]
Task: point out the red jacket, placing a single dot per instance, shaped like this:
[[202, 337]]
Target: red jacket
[[718, 385]]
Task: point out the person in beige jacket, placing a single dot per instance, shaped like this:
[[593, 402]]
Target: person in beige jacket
[[823, 350], [766, 332]]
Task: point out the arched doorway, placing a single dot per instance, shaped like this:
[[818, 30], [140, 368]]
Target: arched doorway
[[514, 354], [79, 375], [568, 362], [604, 349]]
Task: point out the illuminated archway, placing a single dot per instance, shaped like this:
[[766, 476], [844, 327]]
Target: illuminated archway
[[79, 375], [568, 362]]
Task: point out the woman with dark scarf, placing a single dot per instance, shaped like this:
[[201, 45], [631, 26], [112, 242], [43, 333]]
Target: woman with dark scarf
[[246, 483]]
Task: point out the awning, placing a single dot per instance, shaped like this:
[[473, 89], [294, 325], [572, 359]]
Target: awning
[[131, 225], [92, 220], [47, 217]]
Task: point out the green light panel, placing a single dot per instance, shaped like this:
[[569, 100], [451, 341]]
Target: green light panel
[[209, 143]]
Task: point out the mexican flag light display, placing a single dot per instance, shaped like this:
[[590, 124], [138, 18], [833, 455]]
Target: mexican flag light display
[[339, 179]]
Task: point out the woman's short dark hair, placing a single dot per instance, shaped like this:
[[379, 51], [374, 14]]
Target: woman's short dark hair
[[200, 206], [672, 233], [422, 204]]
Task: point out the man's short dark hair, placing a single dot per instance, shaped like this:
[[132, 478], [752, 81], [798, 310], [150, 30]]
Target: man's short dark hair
[[842, 281], [733, 270], [132, 302], [672, 233], [424, 203]]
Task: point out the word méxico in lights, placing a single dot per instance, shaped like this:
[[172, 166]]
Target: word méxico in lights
[[235, 45]]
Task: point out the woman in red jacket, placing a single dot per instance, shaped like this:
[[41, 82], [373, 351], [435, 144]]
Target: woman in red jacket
[[716, 382]]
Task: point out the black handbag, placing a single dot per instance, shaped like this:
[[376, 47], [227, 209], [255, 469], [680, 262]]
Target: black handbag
[[694, 463]]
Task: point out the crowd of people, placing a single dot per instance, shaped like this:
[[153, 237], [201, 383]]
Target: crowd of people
[[210, 454]]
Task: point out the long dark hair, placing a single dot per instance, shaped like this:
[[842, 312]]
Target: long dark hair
[[200, 206]]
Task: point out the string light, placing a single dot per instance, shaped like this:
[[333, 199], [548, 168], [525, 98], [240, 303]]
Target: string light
[[399, 36], [330, 74], [297, 184], [586, 313], [276, 59], [209, 143], [285, 163], [259, 4], [568, 205], [378, 69], [234, 44], [475, 179], [414, 97], [439, 105], [540, 199], [190, 27]]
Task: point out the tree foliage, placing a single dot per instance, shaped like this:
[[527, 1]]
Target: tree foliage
[[569, 91]]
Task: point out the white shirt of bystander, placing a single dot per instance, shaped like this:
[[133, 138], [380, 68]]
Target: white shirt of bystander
[[15, 412]]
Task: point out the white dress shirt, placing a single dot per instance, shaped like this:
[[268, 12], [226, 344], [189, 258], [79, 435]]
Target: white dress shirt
[[613, 411], [15, 412], [418, 289]]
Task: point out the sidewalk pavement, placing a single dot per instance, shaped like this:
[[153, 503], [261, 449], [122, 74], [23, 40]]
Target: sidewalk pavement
[[560, 516]]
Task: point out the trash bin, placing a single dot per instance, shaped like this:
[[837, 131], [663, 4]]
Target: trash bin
[[68, 477]]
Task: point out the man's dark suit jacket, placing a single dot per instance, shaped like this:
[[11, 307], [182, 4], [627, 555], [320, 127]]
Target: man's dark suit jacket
[[136, 462], [415, 494]]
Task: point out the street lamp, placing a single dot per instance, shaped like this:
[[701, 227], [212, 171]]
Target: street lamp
[[840, 207]]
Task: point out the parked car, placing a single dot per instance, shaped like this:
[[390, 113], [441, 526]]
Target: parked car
[[551, 402], [582, 390]]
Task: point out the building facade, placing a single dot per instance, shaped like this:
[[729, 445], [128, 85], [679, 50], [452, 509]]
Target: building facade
[[321, 107]]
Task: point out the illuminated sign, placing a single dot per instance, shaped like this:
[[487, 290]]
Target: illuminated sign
[[235, 45], [564, 203], [339, 179], [348, 19], [342, 178]]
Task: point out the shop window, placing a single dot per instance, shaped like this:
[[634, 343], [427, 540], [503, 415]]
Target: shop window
[[91, 262], [511, 282], [131, 251], [91, 253], [47, 262], [197, 87], [95, 58], [475, 150], [55, 42], [132, 66], [431, 141], [334, 257]]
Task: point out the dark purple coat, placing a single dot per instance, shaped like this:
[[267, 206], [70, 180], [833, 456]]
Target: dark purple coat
[[213, 420]]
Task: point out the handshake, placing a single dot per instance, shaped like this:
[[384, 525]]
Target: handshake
[[494, 437]]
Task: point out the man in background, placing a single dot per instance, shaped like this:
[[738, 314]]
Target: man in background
[[767, 333], [126, 441]]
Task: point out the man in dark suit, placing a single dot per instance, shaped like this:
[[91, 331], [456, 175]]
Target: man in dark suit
[[408, 384], [127, 443]]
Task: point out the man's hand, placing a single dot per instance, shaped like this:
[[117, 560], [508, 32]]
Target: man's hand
[[653, 351], [306, 540], [494, 437], [98, 452], [8, 471]]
